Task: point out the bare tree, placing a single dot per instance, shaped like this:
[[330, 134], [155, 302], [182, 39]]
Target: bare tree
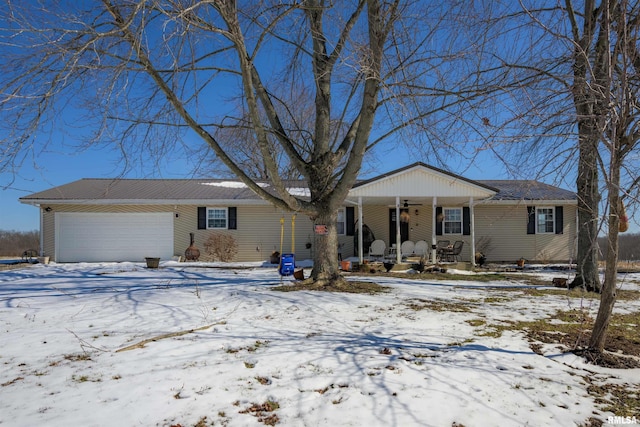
[[146, 75], [237, 136], [621, 137], [579, 82]]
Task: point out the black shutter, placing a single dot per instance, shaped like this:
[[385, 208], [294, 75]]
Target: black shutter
[[350, 225], [202, 218], [438, 220], [531, 220], [466, 221], [233, 218], [559, 220]]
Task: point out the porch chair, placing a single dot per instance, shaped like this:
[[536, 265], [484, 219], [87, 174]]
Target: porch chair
[[406, 249], [421, 248], [377, 249], [454, 255], [442, 247]]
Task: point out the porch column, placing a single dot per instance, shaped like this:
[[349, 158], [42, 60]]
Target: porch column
[[398, 236], [473, 232], [434, 254], [360, 244]]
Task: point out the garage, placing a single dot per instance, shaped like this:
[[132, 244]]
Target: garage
[[103, 237]]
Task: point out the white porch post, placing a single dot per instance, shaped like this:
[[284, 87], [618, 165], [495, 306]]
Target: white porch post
[[434, 254], [360, 237], [398, 236], [473, 232]]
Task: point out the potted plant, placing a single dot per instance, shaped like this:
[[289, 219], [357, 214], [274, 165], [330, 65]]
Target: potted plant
[[275, 257], [152, 262], [419, 267], [521, 262]]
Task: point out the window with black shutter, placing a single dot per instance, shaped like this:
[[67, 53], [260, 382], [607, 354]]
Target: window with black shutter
[[559, 220], [233, 218], [531, 220], [202, 217], [350, 220]]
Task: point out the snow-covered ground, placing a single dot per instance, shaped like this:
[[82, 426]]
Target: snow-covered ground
[[242, 354]]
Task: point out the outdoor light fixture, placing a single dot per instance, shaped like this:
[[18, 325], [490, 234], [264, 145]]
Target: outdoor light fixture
[[47, 209]]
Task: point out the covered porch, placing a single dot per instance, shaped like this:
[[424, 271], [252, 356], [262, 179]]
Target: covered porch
[[418, 204]]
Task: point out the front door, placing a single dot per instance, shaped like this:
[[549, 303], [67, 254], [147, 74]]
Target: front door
[[404, 227]]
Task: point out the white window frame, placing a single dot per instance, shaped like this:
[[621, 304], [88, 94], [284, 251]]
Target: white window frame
[[541, 227], [209, 218], [343, 212], [446, 221]]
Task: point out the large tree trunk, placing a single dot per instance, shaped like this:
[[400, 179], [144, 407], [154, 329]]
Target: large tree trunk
[[588, 79], [325, 260], [588, 215]]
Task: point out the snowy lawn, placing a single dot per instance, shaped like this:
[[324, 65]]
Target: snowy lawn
[[122, 345]]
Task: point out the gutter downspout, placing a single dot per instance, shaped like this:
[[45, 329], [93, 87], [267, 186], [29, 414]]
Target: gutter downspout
[[41, 228]]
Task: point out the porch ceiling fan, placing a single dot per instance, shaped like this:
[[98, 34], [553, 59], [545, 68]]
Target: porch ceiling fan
[[407, 204]]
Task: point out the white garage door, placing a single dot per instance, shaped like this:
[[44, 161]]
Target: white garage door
[[101, 237]]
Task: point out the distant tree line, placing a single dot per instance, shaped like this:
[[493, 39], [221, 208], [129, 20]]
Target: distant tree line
[[628, 247], [14, 243]]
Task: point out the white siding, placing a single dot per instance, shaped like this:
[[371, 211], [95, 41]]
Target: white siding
[[104, 237], [504, 230], [421, 182]]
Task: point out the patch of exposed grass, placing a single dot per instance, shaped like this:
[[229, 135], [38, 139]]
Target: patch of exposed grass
[[621, 399], [571, 329], [418, 304], [263, 412], [621, 294], [263, 380], [257, 345], [460, 343], [78, 357], [496, 300], [476, 322], [351, 287], [13, 381], [250, 348], [84, 379], [202, 422], [484, 278], [493, 331]]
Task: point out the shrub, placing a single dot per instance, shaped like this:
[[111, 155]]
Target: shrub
[[221, 247]]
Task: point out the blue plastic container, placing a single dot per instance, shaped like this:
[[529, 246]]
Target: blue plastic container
[[287, 264]]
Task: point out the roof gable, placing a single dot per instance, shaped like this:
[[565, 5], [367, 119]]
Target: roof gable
[[421, 180]]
